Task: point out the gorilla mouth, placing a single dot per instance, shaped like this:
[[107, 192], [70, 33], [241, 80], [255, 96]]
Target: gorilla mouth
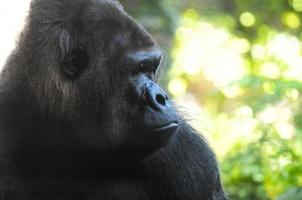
[[167, 127]]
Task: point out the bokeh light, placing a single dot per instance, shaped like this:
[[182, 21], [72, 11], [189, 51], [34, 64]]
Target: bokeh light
[[12, 18], [247, 19]]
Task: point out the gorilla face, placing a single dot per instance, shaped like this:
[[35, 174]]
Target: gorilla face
[[99, 75]]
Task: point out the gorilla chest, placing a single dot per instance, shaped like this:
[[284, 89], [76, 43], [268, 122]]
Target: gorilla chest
[[77, 190]]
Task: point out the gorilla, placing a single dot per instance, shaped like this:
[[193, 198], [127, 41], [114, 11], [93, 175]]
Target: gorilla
[[82, 117]]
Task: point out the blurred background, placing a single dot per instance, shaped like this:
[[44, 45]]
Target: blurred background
[[235, 68]]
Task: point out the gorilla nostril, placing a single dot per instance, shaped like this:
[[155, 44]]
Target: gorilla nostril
[[161, 99], [156, 98]]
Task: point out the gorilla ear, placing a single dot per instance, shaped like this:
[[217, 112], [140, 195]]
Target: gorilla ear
[[74, 60]]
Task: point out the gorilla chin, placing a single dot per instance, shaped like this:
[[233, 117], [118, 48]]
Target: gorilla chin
[[157, 129]]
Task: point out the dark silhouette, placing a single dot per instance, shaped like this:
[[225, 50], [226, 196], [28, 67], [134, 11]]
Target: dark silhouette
[[81, 115]]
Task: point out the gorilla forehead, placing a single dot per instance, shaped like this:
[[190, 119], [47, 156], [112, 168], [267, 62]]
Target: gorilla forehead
[[103, 21], [55, 11]]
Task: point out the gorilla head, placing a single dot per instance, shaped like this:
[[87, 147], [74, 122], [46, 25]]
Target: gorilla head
[[81, 114], [92, 67]]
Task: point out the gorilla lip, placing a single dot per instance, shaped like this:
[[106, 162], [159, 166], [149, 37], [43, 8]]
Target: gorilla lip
[[170, 126]]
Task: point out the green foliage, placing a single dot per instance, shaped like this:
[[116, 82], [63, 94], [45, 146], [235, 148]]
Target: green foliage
[[292, 194], [238, 63]]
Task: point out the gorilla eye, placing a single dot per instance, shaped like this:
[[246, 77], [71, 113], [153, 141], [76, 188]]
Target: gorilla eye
[[75, 62]]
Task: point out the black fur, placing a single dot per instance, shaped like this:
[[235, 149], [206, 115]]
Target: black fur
[[73, 136]]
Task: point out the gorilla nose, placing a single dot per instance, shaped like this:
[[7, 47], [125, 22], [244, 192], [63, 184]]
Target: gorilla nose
[[146, 60], [156, 97]]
